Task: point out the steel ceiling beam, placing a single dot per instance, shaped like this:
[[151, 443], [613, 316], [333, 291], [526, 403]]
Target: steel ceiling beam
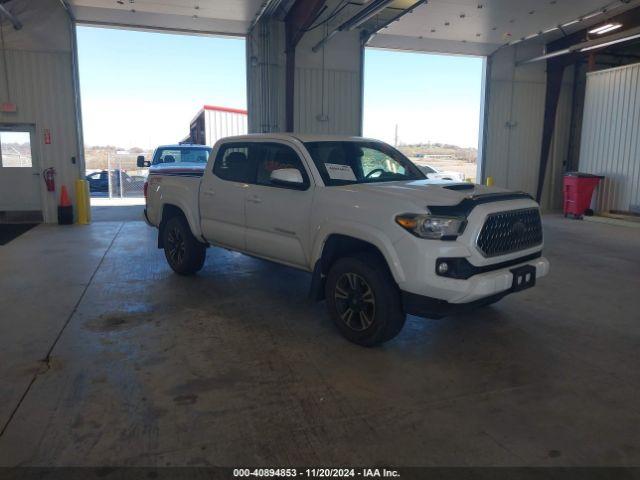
[[17, 24], [397, 17], [373, 8], [268, 8], [300, 17]]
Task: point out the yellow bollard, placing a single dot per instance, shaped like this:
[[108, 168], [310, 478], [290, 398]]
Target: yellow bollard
[[82, 200], [87, 196], [489, 182]]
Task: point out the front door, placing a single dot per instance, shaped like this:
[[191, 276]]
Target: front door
[[20, 175], [278, 215]]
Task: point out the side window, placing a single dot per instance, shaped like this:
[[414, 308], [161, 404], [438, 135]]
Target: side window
[[181, 155], [169, 156], [15, 149], [274, 156], [232, 163]]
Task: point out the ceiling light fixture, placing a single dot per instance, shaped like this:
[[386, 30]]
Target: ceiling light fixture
[[612, 42], [602, 29]]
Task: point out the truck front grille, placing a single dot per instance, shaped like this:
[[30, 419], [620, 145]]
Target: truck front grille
[[508, 232]]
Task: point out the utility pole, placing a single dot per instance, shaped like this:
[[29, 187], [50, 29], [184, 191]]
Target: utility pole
[[396, 142]]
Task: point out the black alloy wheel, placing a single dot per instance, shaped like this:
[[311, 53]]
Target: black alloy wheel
[[355, 301], [184, 253], [176, 245]]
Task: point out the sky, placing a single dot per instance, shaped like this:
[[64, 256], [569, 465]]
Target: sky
[[432, 98], [141, 89]]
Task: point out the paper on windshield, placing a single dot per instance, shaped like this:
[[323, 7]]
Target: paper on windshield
[[340, 172]]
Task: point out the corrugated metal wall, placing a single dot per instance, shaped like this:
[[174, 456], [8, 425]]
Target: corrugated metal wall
[[514, 127], [326, 102], [266, 77], [610, 142], [513, 148], [327, 92], [328, 84], [41, 88], [220, 124], [41, 80]]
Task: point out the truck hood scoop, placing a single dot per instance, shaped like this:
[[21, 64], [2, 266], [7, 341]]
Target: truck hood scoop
[[460, 186]]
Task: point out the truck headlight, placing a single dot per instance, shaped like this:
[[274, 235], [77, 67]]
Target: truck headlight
[[431, 226]]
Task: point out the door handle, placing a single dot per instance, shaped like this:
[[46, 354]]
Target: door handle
[[254, 199], [209, 193]]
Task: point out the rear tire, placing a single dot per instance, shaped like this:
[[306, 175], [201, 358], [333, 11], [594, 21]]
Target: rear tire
[[184, 254], [363, 300]]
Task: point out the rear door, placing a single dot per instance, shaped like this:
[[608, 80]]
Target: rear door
[[222, 196], [277, 215], [20, 175]]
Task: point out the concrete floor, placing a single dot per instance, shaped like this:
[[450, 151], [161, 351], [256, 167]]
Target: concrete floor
[[116, 212], [233, 366]]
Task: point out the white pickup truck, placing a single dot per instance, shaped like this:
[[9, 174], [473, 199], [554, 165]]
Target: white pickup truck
[[379, 238]]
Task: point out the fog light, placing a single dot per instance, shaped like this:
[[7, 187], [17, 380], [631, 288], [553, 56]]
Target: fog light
[[443, 268]]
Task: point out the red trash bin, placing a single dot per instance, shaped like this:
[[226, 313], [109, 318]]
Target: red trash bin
[[578, 189]]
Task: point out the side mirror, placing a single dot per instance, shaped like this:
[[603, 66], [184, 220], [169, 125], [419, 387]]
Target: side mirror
[[288, 177], [141, 163]]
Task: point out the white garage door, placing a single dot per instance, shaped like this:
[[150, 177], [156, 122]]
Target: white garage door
[[19, 170]]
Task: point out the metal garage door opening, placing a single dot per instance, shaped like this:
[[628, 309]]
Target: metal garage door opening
[[143, 89], [428, 106]]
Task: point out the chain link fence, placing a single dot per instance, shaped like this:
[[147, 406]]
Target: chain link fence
[[115, 174]]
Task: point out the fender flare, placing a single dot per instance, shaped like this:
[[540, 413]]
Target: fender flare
[[194, 223], [362, 232]]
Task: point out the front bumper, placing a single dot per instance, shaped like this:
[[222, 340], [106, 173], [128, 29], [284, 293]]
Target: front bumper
[[464, 295]]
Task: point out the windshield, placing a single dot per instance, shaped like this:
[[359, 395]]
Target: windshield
[[181, 155], [344, 163]]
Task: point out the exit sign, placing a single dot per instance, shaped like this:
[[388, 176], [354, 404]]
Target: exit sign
[[8, 107]]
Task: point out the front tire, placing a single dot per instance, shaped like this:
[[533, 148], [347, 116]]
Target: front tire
[[363, 300], [184, 254]]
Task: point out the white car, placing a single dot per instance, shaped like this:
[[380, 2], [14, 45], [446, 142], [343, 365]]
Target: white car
[[379, 239], [434, 173]]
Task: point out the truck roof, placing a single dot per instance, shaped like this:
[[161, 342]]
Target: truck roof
[[182, 145], [301, 137]]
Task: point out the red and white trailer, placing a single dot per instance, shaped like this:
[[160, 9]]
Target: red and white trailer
[[213, 123]]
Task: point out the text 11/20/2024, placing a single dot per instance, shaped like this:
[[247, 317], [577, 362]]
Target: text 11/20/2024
[[316, 472]]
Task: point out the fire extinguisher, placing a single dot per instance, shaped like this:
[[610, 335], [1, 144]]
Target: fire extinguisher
[[49, 178]]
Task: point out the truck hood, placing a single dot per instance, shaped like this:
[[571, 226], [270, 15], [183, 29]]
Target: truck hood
[[430, 192]]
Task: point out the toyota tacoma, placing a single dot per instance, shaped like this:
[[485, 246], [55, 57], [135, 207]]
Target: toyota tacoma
[[379, 239]]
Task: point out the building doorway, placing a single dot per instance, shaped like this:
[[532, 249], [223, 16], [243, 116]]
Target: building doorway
[[20, 179]]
